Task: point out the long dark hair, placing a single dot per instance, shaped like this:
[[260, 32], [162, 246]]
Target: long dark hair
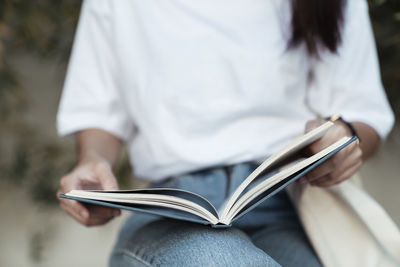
[[317, 23]]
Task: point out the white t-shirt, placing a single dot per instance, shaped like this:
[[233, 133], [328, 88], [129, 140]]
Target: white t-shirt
[[194, 84]]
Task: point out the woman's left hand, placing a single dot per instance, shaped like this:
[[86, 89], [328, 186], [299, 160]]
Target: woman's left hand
[[342, 165]]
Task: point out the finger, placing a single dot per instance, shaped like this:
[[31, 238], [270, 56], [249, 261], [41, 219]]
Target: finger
[[84, 212], [106, 177], [75, 181], [99, 212], [347, 174], [327, 167], [94, 216], [351, 147], [99, 215], [310, 125], [329, 138], [319, 172], [87, 221], [98, 221], [354, 158], [71, 206], [340, 160], [81, 217], [347, 163]]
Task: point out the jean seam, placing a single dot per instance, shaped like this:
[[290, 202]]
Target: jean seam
[[132, 255]]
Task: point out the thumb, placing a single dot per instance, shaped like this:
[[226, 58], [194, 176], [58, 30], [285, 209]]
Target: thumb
[[106, 177], [310, 125]]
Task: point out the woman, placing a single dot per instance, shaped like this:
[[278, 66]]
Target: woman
[[199, 90]]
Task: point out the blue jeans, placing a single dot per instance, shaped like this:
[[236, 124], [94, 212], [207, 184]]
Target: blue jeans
[[269, 235]]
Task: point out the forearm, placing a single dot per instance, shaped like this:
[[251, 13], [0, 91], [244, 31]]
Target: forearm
[[369, 139], [95, 144]]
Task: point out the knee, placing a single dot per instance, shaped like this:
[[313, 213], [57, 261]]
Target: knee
[[170, 243], [203, 246]]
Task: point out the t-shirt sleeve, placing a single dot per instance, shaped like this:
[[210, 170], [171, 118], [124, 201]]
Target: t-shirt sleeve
[[349, 83], [91, 97]]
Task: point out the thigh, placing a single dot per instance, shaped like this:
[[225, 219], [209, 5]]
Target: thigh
[[287, 244], [174, 243]]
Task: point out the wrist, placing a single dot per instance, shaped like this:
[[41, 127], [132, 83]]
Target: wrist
[[347, 125], [97, 145], [92, 157]]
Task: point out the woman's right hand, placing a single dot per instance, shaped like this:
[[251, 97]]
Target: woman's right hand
[[95, 174]]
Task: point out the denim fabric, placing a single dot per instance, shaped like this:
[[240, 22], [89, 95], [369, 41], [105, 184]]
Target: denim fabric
[[269, 235]]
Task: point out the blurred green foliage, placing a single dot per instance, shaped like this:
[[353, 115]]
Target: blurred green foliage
[[42, 27], [46, 28]]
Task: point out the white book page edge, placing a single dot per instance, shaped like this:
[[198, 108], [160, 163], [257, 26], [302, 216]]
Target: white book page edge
[[148, 199], [294, 146], [265, 185]]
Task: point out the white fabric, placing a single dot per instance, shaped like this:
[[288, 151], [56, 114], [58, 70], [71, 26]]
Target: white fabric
[[346, 226], [192, 84]]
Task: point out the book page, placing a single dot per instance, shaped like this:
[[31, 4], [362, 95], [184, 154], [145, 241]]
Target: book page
[[163, 197], [279, 177], [152, 210], [295, 145]]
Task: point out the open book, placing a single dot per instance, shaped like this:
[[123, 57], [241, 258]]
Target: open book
[[274, 174]]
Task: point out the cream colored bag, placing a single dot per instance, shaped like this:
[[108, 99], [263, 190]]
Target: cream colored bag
[[346, 226]]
